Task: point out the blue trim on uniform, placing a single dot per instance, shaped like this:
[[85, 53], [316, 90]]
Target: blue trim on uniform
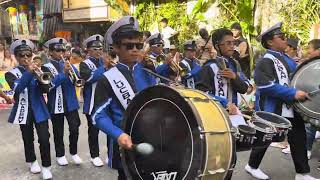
[[104, 121], [223, 101]]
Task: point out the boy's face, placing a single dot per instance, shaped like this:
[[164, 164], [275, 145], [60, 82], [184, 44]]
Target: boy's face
[[57, 53], [37, 62], [129, 50], [24, 58], [190, 54], [226, 46], [312, 52], [163, 24]]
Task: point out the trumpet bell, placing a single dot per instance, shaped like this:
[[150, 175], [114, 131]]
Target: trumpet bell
[[79, 82], [45, 78]]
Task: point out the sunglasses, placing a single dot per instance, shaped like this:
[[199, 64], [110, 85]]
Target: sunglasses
[[59, 50], [157, 45], [97, 48], [282, 36], [130, 46], [28, 55]]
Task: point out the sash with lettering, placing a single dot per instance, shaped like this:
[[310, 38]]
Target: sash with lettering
[[190, 81], [220, 83], [283, 77], [120, 86], [23, 103], [92, 67], [58, 105]]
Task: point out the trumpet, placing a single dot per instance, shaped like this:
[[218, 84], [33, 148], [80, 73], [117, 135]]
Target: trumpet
[[73, 75], [175, 67], [43, 77]]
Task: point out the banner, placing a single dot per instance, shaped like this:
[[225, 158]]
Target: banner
[[6, 89]]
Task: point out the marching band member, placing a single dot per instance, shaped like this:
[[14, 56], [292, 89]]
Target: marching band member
[[155, 42], [222, 77], [62, 101], [116, 88], [29, 108], [189, 65], [91, 70], [273, 94]]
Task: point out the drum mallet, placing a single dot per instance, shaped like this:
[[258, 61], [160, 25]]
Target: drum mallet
[[143, 148]]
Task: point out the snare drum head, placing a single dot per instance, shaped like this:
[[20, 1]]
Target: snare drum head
[[273, 119], [160, 116], [306, 78]]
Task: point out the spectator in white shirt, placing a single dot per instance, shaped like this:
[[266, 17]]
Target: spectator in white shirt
[[167, 32]]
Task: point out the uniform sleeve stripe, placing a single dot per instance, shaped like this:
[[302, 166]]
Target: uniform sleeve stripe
[[100, 109], [266, 86]]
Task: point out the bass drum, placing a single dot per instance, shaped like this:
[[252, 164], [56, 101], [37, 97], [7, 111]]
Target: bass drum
[[306, 78], [189, 131]]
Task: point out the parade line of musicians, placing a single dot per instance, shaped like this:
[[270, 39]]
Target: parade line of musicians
[[124, 53]]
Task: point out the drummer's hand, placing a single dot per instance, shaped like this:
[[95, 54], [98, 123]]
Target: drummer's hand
[[228, 73], [301, 95], [232, 108], [124, 141]]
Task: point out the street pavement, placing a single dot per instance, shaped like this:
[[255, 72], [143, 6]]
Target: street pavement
[[13, 167]]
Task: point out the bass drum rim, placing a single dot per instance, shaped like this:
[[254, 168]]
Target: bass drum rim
[[305, 114]]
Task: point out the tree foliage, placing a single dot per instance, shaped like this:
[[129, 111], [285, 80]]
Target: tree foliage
[[149, 16], [300, 17]]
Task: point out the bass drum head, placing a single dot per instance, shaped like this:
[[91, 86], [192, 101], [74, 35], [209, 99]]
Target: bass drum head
[[306, 78], [159, 115]]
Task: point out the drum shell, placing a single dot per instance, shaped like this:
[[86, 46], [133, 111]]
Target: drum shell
[[280, 124], [245, 138], [264, 133], [212, 137]]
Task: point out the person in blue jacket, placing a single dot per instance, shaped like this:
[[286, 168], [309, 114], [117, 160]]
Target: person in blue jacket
[[62, 101], [117, 87], [29, 108], [274, 95], [189, 63], [91, 69]]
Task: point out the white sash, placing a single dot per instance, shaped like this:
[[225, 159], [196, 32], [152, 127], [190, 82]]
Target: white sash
[[220, 83], [23, 103], [120, 86], [190, 81], [283, 77], [93, 67], [58, 105]]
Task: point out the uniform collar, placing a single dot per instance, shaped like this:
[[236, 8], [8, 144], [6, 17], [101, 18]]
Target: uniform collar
[[56, 61], [93, 58], [273, 52], [121, 65]]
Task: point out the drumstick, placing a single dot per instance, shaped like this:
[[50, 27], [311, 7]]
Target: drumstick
[[143, 148], [314, 92]]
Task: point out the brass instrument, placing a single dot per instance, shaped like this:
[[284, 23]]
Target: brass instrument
[[175, 67], [73, 75], [43, 77]]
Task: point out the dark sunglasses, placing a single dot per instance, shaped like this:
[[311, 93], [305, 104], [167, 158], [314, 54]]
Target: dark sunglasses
[[282, 36], [157, 45], [130, 46], [97, 48], [28, 55], [59, 50]]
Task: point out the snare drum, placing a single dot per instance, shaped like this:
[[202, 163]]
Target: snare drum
[[189, 131], [281, 124], [245, 138], [264, 133]]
